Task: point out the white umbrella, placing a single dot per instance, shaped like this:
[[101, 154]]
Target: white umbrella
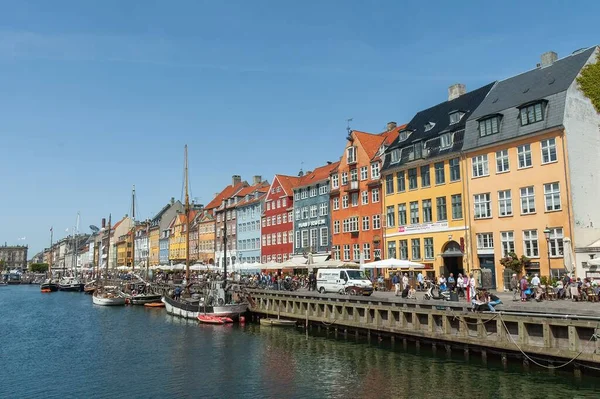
[[271, 265], [197, 267], [179, 266], [335, 263], [123, 268], [392, 263], [568, 256], [290, 264]]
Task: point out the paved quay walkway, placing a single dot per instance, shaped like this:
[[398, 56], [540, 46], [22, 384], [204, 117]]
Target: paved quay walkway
[[562, 306]]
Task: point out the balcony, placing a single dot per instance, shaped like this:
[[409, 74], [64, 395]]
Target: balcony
[[353, 186]]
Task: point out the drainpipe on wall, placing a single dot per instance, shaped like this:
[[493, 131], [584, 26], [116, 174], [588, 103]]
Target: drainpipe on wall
[[569, 202], [467, 215]]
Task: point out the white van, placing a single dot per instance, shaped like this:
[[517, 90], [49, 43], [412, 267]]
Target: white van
[[337, 280]]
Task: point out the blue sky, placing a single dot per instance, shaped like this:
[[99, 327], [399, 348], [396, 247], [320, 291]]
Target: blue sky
[[98, 96]]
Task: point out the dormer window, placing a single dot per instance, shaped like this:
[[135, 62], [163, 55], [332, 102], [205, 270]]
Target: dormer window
[[446, 140], [531, 113], [455, 117], [351, 155], [489, 125], [403, 135], [429, 126], [395, 156]]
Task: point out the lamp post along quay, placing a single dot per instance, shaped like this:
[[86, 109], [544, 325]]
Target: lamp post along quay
[[547, 235]]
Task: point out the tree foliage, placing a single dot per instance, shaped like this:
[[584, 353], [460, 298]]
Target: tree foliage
[[513, 262], [589, 82], [39, 267]]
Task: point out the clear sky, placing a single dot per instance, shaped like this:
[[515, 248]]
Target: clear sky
[[96, 96]]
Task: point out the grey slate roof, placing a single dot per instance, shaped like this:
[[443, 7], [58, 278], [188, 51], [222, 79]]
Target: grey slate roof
[[549, 83], [440, 115]]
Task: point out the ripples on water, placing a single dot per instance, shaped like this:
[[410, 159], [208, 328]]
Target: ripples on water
[[60, 345]]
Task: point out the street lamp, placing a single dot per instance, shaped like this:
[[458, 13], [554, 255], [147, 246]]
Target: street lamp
[[547, 235]]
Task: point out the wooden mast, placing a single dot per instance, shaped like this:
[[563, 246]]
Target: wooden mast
[[148, 248], [108, 247], [187, 218], [133, 230], [51, 252]]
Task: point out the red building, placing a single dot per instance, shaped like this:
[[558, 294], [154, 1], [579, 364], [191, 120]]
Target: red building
[[277, 231]]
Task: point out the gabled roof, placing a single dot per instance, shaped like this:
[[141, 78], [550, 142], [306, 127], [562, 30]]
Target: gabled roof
[[227, 193], [534, 85], [320, 174], [288, 183], [372, 142], [262, 188]]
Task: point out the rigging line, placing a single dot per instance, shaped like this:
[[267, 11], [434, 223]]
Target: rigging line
[[539, 364]]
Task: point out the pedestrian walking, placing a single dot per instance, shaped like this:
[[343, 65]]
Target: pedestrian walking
[[396, 282], [514, 286]]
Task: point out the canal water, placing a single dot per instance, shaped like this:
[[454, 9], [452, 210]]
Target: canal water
[[59, 345]]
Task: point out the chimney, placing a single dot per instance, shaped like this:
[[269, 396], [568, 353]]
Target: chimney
[[236, 179], [103, 223], [256, 180], [329, 162], [172, 200], [549, 58], [391, 126], [301, 173], [456, 90], [216, 195]]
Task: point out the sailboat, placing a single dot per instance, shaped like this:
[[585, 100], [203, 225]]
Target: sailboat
[[104, 295], [72, 283], [214, 299], [49, 285]]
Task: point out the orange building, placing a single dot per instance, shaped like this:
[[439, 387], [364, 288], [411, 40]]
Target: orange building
[[356, 196]]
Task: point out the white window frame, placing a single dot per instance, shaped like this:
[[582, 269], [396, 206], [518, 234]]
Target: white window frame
[[507, 241], [336, 227], [502, 161], [367, 251], [482, 202], [524, 156], [364, 173], [351, 155], [345, 202], [552, 202], [505, 203], [531, 247], [323, 236], [364, 197], [323, 208], [527, 197], [366, 223], [480, 166], [336, 203], [335, 181], [376, 222], [375, 195], [548, 148], [555, 242], [375, 171]]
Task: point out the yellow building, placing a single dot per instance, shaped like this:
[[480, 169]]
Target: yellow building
[[177, 238], [423, 178], [154, 245], [121, 249]]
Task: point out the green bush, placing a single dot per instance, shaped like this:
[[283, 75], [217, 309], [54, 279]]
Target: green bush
[[38, 267], [589, 82]]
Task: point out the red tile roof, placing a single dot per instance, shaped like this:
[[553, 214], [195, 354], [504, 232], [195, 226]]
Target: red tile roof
[[319, 174], [227, 192], [371, 143], [288, 183]]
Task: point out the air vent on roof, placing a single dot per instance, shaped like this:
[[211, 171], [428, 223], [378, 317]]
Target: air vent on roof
[[526, 90], [579, 50], [552, 80], [495, 100]]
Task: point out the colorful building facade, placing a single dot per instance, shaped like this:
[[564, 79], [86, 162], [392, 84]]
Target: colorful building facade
[[249, 211], [277, 221]]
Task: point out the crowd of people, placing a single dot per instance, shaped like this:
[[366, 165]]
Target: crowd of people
[[567, 287]]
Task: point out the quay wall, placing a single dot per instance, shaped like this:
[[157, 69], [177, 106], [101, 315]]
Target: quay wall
[[541, 339]]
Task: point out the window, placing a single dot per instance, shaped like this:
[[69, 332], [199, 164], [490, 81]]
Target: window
[[269, 204], [412, 179], [485, 241], [335, 181], [395, 156], [429, 126], [304, 212], [313, 211], [367, 251], [268, 221], [364, 173], [524, 155], [375, 195], [527, 200], [345, 201], [336, 227], [454, 165], [531, 114], [354, 197], [278, 238], [313, 239], [414, 212], [356, 251], [507, 239], [313, 193], [391, 249], [504, 203], [480, 166], [415, 245], [483, 207], [268, 239], [428, 245], [304, 238], [375, 170], [353, 224], [336, 252], [353, 175], [285, 219], [556, 242], [284, 238], [390, 216], [445, 141], [403, 245], [489, 126], [346, 251], [402, 214], [278, 219], [427, 212], [389, 184], [303, 193], [323, 209], [552, 197], [403, 135], [425, 176], [442, 213], [530, 243], [351, 154], [400, 182], [344, 178], [336, 203], [502, 164], [548, 151], [364, 197], [440, 177], [376, 222], [322, 191], [365, 223]]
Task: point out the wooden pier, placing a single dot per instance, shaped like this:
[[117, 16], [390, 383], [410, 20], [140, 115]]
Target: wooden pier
[[550, 341]]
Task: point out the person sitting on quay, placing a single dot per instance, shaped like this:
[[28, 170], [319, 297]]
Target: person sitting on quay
[[492, 301], [412, 293]]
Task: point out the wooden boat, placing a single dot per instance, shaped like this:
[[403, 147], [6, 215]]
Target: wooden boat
[[277, 322], [49, 285], [108, 298], [154, 305], [46, 290], [208, 319], [71, 284]]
